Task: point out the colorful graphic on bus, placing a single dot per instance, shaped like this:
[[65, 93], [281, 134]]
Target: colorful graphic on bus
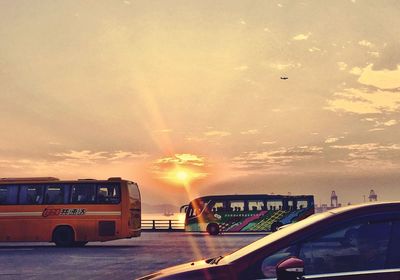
[[245, 213]]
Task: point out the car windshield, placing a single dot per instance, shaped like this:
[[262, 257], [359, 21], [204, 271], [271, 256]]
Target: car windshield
[[275, 236]]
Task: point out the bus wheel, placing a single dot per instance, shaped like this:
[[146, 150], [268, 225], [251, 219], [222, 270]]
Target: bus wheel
[[213, 229], [80, 243], [63, 236], [275, 226]]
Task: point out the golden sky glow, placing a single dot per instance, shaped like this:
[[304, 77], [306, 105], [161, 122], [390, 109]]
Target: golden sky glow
[[154, 90]]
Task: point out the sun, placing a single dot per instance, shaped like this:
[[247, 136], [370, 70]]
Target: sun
[[182, 175]]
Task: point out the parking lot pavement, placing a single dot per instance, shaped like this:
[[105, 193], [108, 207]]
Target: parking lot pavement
[[119, 259]]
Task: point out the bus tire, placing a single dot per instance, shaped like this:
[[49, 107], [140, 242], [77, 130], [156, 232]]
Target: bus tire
[[275, 226], [63, 236], [213, 229]]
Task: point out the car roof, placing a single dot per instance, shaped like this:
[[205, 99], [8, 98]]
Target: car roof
[[343, 209]]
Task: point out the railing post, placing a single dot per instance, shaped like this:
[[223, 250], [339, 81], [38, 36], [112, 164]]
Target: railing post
[[154, 224], [170, 225]]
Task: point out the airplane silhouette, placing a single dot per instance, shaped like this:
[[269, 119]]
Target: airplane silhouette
[[284, 78]]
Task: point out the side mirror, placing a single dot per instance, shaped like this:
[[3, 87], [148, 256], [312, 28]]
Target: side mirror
[[183, 209], [291, 268]]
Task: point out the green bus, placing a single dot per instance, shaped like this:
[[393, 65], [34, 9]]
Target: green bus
[[245, 213]]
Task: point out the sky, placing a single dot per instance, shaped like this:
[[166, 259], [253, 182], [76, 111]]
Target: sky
[[186, 97]]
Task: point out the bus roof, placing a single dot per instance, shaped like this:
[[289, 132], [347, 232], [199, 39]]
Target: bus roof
[[54, 180], [250, 196]]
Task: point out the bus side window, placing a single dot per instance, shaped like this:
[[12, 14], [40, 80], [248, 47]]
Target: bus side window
[[83, 193], [274, 205], [218, 206], [55, 194], [31, 194], [237, 206], [8, 194], [108, 193], [256, 205], [301, 204]]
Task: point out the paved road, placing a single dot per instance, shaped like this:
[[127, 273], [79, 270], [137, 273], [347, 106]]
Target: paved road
[[120, 259]]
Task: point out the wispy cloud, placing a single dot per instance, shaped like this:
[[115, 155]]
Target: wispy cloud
[[242, 68], [217, 133], [333, 139], [285, 66], [268, 142], [181, 159], [87, 156], [361, 101], [274, 158], [379, 125], [384, 79], [301, 37], [342, 65], [250, 132], [365, 43]]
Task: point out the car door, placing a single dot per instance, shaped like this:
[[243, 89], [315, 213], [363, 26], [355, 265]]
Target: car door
[[362, 248]]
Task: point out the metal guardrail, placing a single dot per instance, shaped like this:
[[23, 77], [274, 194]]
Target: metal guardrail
[[163, 225]]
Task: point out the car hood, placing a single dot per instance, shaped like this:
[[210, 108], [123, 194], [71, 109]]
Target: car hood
[[194, 270]]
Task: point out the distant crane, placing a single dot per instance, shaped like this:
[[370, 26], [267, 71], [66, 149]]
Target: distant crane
[[372, 196], [334, 199]]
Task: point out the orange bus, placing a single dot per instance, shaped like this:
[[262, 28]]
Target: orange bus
[[68, 213]]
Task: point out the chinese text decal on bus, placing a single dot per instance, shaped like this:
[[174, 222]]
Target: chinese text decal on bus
[[69, 213], [240, 213]]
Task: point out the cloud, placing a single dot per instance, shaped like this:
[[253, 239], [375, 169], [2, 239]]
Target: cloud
[[181, 159], [276, 158], [367, 147], [384, 79], [167, 130], [389, 56], [241, 68], [314, 49], [369, 155], [380, 125], [166, 168], [360, 101], [83, 156], [342, 65], [333, 139], [356, 71], [366, 43], [217, 133], [87, 156], [250, 132], [285, 66], [301, 37], [268, 142], [374, 54]]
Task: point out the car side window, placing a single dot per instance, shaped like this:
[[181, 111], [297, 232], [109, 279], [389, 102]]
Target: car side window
[[393, 258], [356, 247]]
